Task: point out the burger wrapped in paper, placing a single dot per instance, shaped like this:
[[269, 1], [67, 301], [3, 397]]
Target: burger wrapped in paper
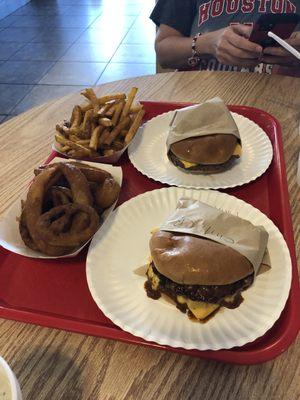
[[203, 258], [204, 138]]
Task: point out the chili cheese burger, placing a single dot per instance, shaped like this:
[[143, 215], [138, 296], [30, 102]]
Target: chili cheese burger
[[198, 274]]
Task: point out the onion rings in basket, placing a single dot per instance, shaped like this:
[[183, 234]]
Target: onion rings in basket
[[61, 212]]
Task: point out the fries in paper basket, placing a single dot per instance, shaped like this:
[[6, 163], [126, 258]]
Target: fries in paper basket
[[102, 127]]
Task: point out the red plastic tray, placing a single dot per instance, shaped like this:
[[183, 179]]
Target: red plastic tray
[[54, 293]]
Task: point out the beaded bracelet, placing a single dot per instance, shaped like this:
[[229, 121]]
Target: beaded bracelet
[[195, 59]]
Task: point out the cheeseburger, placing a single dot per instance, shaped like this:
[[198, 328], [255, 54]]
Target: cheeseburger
[[205, 154], [204, 138], [200, 274]]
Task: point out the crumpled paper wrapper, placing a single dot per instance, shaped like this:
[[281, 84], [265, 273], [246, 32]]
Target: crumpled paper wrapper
[[196, 218], [209, 118]]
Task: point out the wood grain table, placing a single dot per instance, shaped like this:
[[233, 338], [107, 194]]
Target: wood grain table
[[52, 364]]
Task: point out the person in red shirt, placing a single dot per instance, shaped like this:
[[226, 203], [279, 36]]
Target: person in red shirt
[[221, 31]]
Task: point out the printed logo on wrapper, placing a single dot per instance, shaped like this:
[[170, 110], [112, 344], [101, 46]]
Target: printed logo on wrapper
[[196, 218]]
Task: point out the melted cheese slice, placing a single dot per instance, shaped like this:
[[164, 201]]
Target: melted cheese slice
[[187, 164], [153, 278], [237, 152], [200, 309]]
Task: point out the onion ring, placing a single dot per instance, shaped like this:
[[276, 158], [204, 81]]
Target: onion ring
[[33, 208], [78, 184], [32, 211], [92, 174], [107, 193], [61, 195], [44, 225], [25, 235]]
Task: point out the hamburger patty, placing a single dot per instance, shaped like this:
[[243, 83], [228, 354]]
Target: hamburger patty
[[206, 293], [205, 168]]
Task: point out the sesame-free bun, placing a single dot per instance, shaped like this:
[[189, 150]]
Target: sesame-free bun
[[210, 149], [192, 260]]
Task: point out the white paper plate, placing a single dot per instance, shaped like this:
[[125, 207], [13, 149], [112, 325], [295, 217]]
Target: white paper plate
[[148, 153], [11, 388], [117, 251], [10, 237]]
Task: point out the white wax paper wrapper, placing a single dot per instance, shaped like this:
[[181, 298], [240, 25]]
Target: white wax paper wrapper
[[10, 237], [208, 118], [199, 219]]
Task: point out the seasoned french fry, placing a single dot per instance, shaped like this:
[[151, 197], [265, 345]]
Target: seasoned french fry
[[129, 101], [77, 154], [108, 152], [75, 131], [135, 108], [83, 149], [61, 139], [90, 95], [83, 142], [74, 138], [76, 117], [103, 109], [87, 117], [103, 125], [71, 153], [87, 121], [110, 112], [105, 99], [117, 113], [105, 122], [117, 145], [86, 107], [66, 130], [135, 125], [93, 144], [103, 137], [59, 129], [73, 145], [96, 108], [117, 130], [64, 149], [76, 120], [123, 133]]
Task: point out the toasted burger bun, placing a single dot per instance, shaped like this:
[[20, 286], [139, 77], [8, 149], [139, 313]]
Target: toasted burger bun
[[192, 260], [210, 149], [209, 154]]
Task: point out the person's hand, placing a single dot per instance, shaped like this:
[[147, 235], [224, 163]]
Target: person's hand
[[231, 46], [280, 56]]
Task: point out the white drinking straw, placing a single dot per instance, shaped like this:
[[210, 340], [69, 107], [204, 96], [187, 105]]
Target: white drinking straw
[[284, 44]]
